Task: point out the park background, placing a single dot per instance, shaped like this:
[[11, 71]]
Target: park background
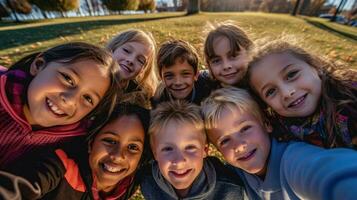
[[328, 28]]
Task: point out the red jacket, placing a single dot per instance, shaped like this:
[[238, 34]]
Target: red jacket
[[16, 134]]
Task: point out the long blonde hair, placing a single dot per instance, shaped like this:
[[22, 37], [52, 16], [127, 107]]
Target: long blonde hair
[[147, 79]]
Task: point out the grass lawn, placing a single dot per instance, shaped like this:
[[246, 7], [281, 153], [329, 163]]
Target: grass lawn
[[19, 39]]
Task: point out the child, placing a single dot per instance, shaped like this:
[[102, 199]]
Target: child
[[269, 169], [177, 63], [226, 53], [135, 51], [48, 97], [181, 169], [305, 95], [103, 169]]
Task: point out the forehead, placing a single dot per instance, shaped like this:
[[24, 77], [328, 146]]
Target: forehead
[[138, 47], [126, 125], [178, 66], [228, 120], [177, 131]]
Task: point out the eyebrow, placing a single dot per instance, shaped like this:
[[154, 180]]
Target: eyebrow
[[135, 139], [281, 72]]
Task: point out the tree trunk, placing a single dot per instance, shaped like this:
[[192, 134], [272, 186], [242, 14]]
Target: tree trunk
[[193, 7], [296, 7], [12, 10], [340, 6], [90, 9]]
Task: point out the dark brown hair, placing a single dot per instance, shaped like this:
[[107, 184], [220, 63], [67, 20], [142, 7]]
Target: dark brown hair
[[176, 50]]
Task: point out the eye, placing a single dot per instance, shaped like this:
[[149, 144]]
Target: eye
[[142, 61], [270, 92], [168, 76], [291, 75], [186, 74], [88, 99], [133, 148], [224, 141], [109, 141], [166, 149], [214, 61], [67, 78], [126, 50], [245, 128], [191, 148]]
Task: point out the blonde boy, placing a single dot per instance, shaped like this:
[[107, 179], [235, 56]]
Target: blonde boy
[[270, 169], [181, 169]]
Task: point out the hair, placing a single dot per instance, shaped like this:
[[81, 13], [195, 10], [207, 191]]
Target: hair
[[74, 52], [179, 111], [236, 36], [176, 50], [147, 79], [143, 114], [338, 83], [231, 98]]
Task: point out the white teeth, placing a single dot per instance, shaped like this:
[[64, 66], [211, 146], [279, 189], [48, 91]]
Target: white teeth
[[297, 101], [54, 108], [110, 168]]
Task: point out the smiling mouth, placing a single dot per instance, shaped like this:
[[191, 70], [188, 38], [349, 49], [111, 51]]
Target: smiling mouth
[[248, 156], [297, 102], [231, 75], [179, 89], [54, 108], [111, 169], [126, 68], [180, 173]]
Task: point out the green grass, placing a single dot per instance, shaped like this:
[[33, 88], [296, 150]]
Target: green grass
[[19, 39]]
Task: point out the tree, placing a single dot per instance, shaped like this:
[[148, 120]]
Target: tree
[[193, 7], [56, 5], [21, 6], [117, 5], [3, 11], [296, 7], [338, 9], [147, 5]]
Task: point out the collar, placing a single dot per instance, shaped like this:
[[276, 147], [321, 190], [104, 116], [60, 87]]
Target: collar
[[119, 191]]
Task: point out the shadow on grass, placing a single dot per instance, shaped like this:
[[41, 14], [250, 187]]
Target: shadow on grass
[[29, 35], [332, 30]]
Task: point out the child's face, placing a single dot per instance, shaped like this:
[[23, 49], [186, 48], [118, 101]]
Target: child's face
[[179, 149], [64, 93], [292, 88], [132, 57], [243, 140], [179, 79], [116, 151], [227, 67]]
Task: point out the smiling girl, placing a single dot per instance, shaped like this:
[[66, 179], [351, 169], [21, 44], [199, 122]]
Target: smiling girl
[[135, 51], [311, 98], [49, 97]]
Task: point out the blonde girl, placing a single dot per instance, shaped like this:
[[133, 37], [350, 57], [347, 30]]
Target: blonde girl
[[135, 52]]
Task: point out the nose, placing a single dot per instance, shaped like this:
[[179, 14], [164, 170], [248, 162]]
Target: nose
[[240, 146], [178, 158], [130, 60], [227, 65], [288, 92], [177, 80], [117, 154], [69, 98]]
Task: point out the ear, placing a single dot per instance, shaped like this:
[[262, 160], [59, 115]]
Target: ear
[[268, 127], [196, 75], [90, 145], [206, 148], [37, 65]]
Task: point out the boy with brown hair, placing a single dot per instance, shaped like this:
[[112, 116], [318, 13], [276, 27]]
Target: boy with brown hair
[[177, 63]]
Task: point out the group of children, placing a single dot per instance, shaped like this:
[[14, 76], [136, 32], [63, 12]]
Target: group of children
[[75, 121]]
